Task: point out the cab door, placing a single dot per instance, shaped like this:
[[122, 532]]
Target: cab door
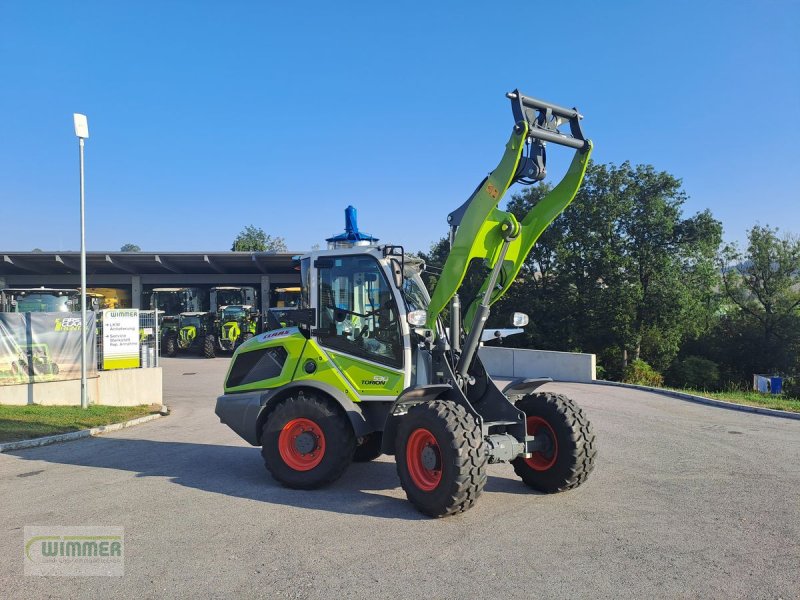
[[359, 326]]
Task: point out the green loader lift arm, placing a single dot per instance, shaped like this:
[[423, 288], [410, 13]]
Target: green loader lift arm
[[479, 230]]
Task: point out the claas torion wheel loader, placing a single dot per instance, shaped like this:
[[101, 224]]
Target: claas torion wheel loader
[[372, 368]]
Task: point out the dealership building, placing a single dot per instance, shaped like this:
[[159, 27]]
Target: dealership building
[[131, 276]]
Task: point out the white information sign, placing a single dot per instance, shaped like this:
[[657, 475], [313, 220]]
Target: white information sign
[[121, 338]]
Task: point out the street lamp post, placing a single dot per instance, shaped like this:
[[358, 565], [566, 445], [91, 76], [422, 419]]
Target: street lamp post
[[82, 132]]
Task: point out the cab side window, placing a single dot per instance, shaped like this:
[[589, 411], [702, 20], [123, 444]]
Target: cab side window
[[357, 312]]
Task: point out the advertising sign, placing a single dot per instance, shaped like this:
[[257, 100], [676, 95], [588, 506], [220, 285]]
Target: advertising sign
[[40, 346], [121, 338]]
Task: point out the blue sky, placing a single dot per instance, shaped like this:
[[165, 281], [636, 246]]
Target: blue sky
[[206, 117]]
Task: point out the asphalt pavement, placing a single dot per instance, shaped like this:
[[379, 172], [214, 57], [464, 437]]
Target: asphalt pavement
[[686, 501]]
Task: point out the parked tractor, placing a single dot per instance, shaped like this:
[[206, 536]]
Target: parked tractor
[[237, 317], [170, 303], [196, 333], [372, 367]]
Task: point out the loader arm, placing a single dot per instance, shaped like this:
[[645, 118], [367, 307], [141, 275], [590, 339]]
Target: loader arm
[[483, 231]]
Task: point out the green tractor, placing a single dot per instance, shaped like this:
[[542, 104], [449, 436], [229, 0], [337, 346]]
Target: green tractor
[[196, 333], [373, 369], [38, 361], [170, 303], [237, 317]]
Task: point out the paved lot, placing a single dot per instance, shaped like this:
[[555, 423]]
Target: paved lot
[[686, 501]]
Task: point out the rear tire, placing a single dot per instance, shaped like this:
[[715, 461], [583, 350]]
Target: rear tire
[[209, 351], [307, 443], [571, 452], [440, 458], [370, 448]]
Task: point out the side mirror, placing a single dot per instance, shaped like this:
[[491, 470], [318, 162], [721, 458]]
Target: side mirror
[[417, 318], [519, 319]]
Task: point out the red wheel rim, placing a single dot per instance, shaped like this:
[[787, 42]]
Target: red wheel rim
[[424, 459], [541, 461], [301, 444]]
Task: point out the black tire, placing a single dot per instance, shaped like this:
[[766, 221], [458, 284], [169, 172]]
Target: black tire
[[458, 452], [242, 339], [208, 349], [337, 436], [567, 463], [169, 345], [370, 447]]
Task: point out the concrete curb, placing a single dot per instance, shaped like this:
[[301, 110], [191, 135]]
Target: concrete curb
[[703, 400], [76, 435]]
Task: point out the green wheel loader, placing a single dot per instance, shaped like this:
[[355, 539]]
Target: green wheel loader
[[373, 369]]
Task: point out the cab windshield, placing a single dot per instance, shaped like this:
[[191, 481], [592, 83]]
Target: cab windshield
[[46, 303], [231, 313], [190, 320]]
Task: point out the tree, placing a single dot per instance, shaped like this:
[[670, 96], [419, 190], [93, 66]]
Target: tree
[[763, 284], [621, 273], [130, 248], [255, 239]]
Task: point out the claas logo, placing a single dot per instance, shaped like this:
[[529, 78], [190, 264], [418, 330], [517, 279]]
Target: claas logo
[[68, 324]]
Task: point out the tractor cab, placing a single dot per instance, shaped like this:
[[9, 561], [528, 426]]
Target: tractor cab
[[357, 295]]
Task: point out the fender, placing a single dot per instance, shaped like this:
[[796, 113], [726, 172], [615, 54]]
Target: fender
[[417, 395], [522, 386], [270, 399]]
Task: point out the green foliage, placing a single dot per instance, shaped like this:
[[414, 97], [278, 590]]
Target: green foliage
[[761, 331], [639, 372], [130, 248], [621, 273], [693, 372], [791, 387], [255, 239]]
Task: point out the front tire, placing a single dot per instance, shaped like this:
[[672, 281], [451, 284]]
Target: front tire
[[440, 458], [169, 346], [242, 339], [570, 448], [307, 443]]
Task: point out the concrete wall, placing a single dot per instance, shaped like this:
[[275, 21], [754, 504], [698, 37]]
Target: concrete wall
[[124, 387], [515, 362]]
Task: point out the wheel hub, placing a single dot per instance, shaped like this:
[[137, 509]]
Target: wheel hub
[[301, 444], [430, 458], [423, 458], [306, 442]]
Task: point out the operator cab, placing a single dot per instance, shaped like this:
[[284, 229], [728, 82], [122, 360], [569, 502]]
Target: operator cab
[[362, 296]]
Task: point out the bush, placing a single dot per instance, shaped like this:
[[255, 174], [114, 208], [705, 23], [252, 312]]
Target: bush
[[791, 387], [639, 372], [694, 372]]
